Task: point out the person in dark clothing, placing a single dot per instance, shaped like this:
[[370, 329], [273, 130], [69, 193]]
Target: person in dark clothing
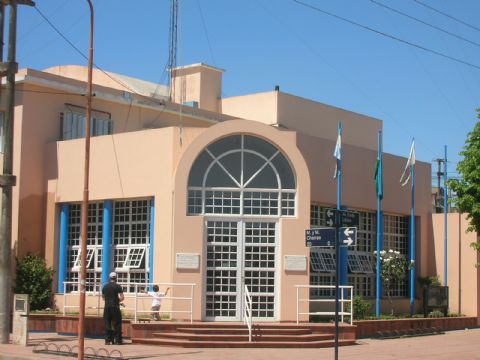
[[112, 293]]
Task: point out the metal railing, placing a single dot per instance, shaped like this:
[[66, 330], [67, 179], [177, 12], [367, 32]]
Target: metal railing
[[342, 300], [135, 295], [247, 313]]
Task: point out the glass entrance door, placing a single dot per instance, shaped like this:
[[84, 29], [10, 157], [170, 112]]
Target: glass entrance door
[[240, 253]]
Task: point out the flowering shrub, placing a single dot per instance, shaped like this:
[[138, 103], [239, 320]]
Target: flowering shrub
[[393, 268]]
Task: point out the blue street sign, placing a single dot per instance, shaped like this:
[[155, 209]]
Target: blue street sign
[[322, 237], [345, 217], [348, 236]]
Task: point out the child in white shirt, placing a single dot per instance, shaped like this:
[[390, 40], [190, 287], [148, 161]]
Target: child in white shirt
[[156, 301]]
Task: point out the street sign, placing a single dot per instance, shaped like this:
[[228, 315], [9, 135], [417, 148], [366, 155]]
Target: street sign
[[330, 216], [322, 237], [347, 218], [348, 236]]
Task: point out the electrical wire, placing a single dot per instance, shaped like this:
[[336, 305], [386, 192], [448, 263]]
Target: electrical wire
[[447, 15], [206, 32], [85, 57], [392, 37], [425, 23], [388, 116]]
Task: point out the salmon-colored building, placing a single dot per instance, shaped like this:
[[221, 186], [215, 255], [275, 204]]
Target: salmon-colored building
[[204, 190]]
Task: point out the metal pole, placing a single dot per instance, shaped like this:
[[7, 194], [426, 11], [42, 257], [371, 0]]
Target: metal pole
[[297, 304], [379, 232], [84, 230], [337, 244], [412, 243], [445, 212]]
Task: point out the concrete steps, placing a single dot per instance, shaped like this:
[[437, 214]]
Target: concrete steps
[[242, 344], [235, 335]]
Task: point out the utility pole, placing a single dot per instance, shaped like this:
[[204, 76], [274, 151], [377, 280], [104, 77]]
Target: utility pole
[[7, 179], [84, 229]]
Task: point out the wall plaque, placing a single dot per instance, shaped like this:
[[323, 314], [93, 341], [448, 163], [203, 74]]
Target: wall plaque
[[188, 261], [295, 263]]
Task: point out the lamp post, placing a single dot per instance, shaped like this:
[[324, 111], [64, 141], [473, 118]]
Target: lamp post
[[84, 229]]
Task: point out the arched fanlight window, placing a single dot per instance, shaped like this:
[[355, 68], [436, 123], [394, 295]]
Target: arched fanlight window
[[243, 175]]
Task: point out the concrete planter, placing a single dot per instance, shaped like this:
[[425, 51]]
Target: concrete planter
[[373, 328]]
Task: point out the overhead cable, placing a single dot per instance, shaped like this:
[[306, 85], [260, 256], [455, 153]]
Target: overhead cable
[[447, 15], [426, 23], [388, 35]]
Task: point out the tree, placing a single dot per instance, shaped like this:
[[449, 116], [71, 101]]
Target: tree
[[33, 277], [467, 188], [393, 269]]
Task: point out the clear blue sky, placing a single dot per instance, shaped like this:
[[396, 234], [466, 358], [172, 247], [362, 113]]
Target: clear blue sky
[[263, 43]]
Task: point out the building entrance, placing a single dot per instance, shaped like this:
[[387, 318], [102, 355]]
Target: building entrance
[[240, 253]]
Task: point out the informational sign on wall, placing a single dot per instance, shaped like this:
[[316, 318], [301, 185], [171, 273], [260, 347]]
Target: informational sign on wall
[[295, 263], [188, 261]]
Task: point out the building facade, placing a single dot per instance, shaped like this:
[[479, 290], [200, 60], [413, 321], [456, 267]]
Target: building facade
[[203, 190]]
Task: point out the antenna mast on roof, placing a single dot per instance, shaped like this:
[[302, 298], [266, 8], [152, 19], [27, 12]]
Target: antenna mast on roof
[[172, 46]]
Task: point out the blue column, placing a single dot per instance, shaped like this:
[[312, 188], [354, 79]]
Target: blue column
[[343, 251], [445, 221], [63, 247], [106, 240], [152, 237], [412, 246]]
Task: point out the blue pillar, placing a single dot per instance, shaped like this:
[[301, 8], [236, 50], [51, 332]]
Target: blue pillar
[[445, 220], [106, 240], [412, 246], [152, 237], [63, 247]]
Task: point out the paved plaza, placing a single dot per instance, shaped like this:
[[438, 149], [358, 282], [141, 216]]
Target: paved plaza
[[453, 345]]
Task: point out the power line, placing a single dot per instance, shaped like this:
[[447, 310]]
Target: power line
[[206, 32], [387, 35], [388, 116], [426, 23], [84, 56], [447, 15]]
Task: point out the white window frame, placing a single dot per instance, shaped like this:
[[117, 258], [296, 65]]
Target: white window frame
[[135, 257], [285, 205], [73, 125], [77, 263]]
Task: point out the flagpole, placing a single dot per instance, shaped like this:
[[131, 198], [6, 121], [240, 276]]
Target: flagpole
[[445, 218], [412, 242], [379, 234], [337, 243]]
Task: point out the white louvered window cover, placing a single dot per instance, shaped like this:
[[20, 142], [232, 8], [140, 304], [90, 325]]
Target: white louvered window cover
[[322, 260], [134, 257], [90, 252], [360, 262]]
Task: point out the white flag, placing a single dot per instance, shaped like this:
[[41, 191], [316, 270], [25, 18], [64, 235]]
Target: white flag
[[408, 167], [338, 155]]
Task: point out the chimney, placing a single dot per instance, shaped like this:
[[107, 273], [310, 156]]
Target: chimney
[[198, 84]]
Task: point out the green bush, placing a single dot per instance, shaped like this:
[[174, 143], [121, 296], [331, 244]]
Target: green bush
[[33, 277], [361, 308]]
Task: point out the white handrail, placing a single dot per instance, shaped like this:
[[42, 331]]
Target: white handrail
[[247, 313], [342, 300], [135, 296]]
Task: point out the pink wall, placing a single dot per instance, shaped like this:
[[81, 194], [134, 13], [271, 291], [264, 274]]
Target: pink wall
[[463, 276]]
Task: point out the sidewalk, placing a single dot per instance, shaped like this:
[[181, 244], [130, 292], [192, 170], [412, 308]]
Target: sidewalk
[[463, 344]]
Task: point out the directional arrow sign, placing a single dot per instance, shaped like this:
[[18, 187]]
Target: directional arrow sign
[[348, 236], [330, 216], [322, 237]]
